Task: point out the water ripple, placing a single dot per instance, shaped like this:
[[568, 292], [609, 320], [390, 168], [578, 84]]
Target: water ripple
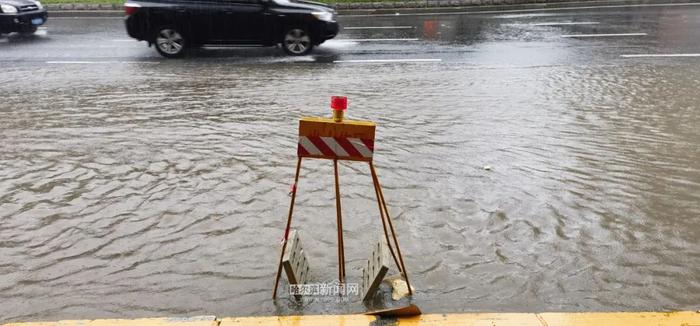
[[170, 198]]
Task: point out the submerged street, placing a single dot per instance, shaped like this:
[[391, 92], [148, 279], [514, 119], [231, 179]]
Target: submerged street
[[533, 160]]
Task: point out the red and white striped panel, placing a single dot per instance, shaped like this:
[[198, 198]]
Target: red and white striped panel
[[335, 147]]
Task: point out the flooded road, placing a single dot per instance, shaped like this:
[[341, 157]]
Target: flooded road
[[136, 186]]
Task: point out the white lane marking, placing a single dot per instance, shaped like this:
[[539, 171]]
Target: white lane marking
[[80, 62], [387, 60], [564, 23], [530, 10], [378, 27], [86, 17], [100, 62], [672, 55], [603, 35], [376, 39]]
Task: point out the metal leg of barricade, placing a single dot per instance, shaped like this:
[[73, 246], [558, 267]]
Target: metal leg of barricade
[[339, 220], [378, 186], [286, 230]]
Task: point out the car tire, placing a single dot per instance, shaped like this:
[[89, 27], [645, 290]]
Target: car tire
[[29, 30], [297, 41], [170, 42]]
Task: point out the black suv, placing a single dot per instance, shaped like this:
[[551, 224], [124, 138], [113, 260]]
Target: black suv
[[23, 16], [175, 25]]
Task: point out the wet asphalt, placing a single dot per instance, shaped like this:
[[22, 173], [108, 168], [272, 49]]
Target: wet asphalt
[[514, 37], [533, 160]]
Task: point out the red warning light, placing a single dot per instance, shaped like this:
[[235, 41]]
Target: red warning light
[[339, 103]]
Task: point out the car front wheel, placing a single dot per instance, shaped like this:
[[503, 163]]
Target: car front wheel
[[170, 42], [297, 41]]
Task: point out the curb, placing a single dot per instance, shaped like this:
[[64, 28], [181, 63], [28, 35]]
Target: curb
[[502, 319], [82, 7], [410, 4], [422, 4]]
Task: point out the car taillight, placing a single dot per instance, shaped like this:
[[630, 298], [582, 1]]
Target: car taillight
[[131, 8]]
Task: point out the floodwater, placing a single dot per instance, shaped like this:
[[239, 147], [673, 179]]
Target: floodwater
[[132, 190]]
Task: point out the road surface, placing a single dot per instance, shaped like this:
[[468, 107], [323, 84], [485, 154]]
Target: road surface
[[534, 160]]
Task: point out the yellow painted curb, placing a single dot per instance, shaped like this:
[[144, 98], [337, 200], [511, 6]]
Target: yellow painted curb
[[321, 320], [684, 318], [490, 319], [680, 318], [189, 321]]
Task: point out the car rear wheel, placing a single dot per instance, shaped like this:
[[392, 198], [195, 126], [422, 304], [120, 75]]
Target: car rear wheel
[[297, 41], [170, 43]]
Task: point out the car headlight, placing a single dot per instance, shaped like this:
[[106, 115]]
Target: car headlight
[[38, 4], [7, 9], [325, 16]]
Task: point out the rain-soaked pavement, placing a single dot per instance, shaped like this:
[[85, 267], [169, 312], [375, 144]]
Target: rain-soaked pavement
[[137, 186]]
